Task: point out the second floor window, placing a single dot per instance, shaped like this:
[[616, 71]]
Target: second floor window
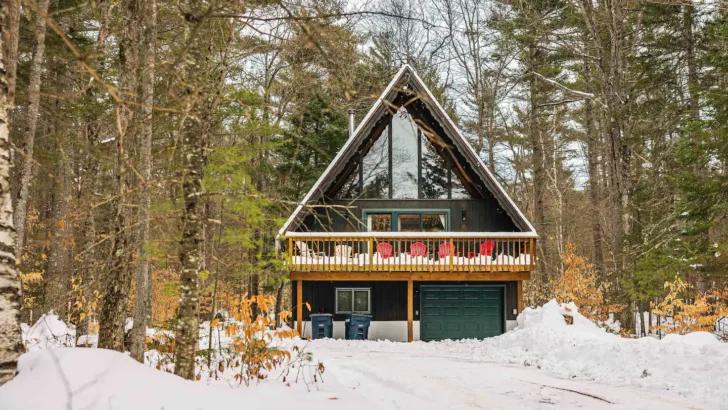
[[407, 221]]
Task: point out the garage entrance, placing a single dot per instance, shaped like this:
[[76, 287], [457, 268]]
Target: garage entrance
[[461, 312]]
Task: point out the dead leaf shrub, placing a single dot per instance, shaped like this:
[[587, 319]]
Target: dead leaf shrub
[[698, 315], [579, 283], [253, 340]]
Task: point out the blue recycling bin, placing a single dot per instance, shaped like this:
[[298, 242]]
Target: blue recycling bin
[[322, 325], [357, 327]]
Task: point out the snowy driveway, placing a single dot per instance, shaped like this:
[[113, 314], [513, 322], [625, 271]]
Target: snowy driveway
[[544, 363], [397, 377], [359, 376]]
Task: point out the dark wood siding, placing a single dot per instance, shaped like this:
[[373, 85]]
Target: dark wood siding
[[388, 298], [481, 215]]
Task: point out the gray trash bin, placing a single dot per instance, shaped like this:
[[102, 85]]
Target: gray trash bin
[[357, 327], [322, 325]]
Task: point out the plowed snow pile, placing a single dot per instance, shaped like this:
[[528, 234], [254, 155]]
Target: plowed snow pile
[[694, 365]]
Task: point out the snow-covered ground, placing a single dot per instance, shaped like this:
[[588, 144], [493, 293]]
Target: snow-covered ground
[[544, 363]]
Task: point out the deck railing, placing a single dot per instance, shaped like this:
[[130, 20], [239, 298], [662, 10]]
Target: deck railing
[[410, 252]]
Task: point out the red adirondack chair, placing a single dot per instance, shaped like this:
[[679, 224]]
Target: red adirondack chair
[[385, 250], [486, 248], [446, 250], [418, 249]]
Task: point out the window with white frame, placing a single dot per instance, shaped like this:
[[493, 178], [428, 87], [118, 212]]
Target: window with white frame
[[353, 300]]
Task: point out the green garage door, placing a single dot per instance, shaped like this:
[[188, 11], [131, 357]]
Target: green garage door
[[461, 312]]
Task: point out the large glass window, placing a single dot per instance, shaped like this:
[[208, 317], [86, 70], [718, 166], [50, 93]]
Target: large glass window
[[376, 169], [458, 190], [427, 176], [353, 300], [404, 156], [350, 189], [434, 171]]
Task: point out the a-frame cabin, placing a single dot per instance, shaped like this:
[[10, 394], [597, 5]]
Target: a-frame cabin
[[408, 225]]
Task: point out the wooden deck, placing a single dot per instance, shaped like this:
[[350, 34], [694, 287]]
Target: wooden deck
[[367, 253], [410, 257]]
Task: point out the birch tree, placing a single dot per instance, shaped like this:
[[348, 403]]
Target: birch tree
[[10, 41], [193, 157], [10, 344]]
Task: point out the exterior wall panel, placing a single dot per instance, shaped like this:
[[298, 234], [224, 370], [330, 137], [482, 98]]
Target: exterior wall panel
[[388, 298], [481, 215]]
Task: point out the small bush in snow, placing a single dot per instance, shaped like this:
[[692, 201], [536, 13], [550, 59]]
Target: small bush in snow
[[699, 315], [578, 283], [253, 340]]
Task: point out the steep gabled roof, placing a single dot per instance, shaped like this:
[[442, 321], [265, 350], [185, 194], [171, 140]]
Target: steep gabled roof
[[406, 77]]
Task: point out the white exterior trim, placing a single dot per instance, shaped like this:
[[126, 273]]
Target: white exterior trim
[[395, 331], [366, 119]]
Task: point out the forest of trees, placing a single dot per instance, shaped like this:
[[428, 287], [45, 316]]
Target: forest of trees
[[151, 149]]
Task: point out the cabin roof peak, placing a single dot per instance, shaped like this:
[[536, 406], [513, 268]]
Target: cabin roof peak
[[405, 77]]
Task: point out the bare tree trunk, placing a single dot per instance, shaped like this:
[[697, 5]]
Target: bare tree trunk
[[702, 240], [58, 276], [142, 306], [254, 286], [539, 161], [689, 37], [91, 272], [31, 123], [212, 317], [491, 134], [58, 273], [11, 38], [117, 282], [11, 345], [592, 141], [279, 303]]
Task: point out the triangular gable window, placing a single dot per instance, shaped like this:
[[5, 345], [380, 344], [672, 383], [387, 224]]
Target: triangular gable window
[[447, 166], [403, 163]]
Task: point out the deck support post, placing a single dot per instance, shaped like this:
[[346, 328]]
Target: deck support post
[[299, 307], [410, 311], [520, 296]]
